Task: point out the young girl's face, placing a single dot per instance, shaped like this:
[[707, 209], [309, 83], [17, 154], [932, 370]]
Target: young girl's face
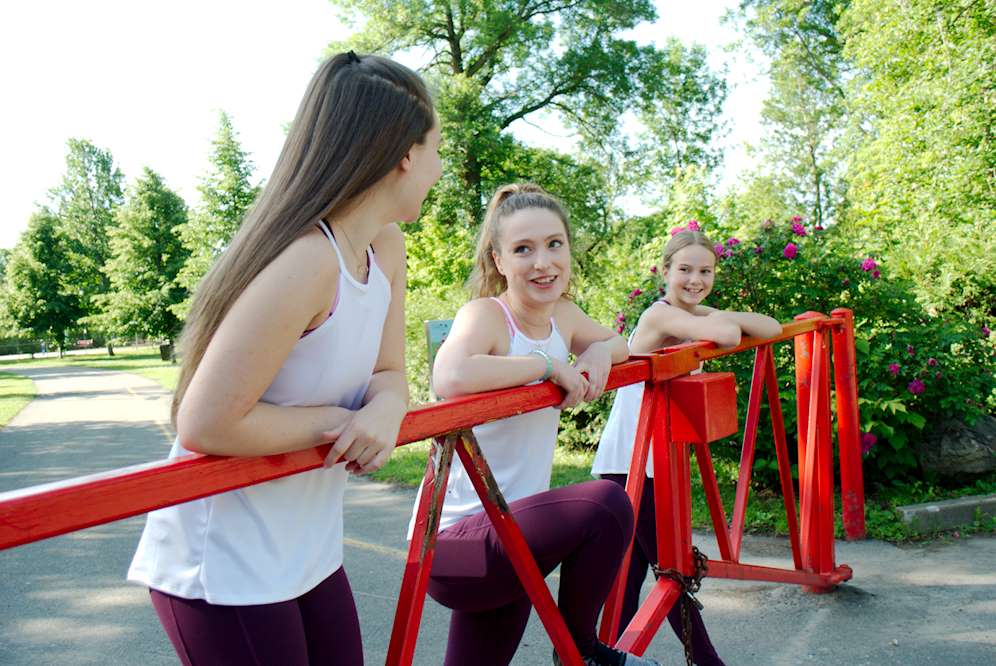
[[534, 256], [690, 276]]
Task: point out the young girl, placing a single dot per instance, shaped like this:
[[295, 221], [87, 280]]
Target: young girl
[[688, 268], [295, 338], [520, 330]]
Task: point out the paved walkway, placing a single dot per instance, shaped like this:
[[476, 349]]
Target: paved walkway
[[64, 600]]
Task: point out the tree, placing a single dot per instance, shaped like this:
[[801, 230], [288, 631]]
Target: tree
[[41, 296], [496, 62], [84, 204], [146, 257], [922, 177], [806, 108], [226, 195]]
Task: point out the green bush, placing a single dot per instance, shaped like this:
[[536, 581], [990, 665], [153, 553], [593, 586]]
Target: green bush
[[914, 369]]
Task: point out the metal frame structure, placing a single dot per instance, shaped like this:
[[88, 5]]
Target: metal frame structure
[[679, 412]]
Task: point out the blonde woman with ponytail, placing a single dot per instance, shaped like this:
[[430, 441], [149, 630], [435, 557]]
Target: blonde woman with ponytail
[[296, 338], [521, 328]]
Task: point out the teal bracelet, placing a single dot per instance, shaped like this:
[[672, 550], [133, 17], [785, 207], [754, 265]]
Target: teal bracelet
[[549, 363]]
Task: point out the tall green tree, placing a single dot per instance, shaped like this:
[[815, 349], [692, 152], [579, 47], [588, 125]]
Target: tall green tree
[[496, 62], [84, 202], [227, 193], [922, 177], [805, 111], [40, 294], [146, 257]]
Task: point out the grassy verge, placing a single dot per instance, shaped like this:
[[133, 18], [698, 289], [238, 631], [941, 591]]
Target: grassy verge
[[15, 393], [142, 361], [765, 508]]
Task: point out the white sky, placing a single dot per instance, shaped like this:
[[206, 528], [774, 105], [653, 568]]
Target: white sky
[[146, 81]]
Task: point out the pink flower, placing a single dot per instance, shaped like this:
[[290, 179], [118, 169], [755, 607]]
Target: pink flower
[[653, 269], [894, 369], [798, 229], [875, 274], [678, 230], [790, 251], [868, 265], [730, 242], [619, 328], [818, 227], [916, 387], [868, 442], [985, 331], [718, 249], [932, 361], [620, 318], [845, 281], [910, 350], [633, 294], [728, 253], [758, 249], [693, 225], [938, 374], [797, 219], [661, 291]]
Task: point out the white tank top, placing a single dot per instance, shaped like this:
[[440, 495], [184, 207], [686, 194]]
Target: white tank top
[[276, 540], [519, 449], [615, 448]]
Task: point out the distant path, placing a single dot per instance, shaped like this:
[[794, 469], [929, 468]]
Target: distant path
[[64, 600]]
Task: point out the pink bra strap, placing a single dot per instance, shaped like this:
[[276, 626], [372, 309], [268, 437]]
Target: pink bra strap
[[508, 317]]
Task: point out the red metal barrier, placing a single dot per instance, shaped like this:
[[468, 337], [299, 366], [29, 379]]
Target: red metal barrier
[[672, 425]]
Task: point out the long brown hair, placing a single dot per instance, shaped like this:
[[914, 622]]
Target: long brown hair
[[485, 280], [359, 117]]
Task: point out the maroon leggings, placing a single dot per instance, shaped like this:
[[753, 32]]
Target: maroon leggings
[[584, 528], [645, 552], [319, 627]]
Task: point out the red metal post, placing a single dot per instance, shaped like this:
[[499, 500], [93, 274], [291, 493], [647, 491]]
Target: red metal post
[[411, 597], [781, 450], [747, 453], [518, 550], [649, 407], [805, 404], [852, 487], [825, 447]]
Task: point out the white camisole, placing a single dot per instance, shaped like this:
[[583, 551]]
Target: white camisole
[[276, 540], [519, 449]]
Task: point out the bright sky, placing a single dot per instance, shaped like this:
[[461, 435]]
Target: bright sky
[[146, 82]]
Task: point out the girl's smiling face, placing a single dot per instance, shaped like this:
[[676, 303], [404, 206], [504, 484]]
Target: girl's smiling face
[[690, 276], [534, 255]]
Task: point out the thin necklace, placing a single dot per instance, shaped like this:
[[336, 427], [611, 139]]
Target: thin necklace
[[361, 264]]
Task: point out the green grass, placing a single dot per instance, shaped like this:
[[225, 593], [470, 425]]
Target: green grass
[[15, 393], [142, 361], [765, 508]]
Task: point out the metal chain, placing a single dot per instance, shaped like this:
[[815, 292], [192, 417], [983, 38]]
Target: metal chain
[[689, 586]]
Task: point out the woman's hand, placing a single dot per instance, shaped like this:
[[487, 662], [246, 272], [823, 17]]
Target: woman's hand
[[571, 380], [366, 440], [596, 360]]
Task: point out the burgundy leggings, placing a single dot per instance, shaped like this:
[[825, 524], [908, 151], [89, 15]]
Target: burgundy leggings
[[584, 528], [319, 627], [645, 552]]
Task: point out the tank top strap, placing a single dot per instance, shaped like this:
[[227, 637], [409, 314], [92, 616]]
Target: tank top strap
[[509, 321]]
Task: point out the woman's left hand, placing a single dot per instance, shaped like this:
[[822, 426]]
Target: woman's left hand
[[596, 361], [370, 437]]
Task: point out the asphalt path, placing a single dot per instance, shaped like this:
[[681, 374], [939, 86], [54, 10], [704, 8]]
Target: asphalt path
[[65, 601]]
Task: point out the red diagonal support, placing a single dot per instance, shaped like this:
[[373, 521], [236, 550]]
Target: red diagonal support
[[747, 453]]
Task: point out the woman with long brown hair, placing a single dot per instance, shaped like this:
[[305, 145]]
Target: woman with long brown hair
[[296, 338]]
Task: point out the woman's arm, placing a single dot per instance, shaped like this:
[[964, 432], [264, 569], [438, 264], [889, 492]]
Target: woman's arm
[[596, 347], [752, 323], [473, 358], [221, 412], [662, 321], [372, 434]]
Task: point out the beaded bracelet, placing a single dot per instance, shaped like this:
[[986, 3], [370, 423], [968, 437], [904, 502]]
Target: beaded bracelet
[[549, 363]]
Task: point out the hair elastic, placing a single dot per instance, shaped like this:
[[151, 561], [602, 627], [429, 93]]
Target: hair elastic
[[352, 57], [549, 363]]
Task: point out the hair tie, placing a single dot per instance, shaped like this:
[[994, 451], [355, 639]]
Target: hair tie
[[352, 57]]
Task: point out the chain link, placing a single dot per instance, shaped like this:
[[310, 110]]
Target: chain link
[[689, 585]]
